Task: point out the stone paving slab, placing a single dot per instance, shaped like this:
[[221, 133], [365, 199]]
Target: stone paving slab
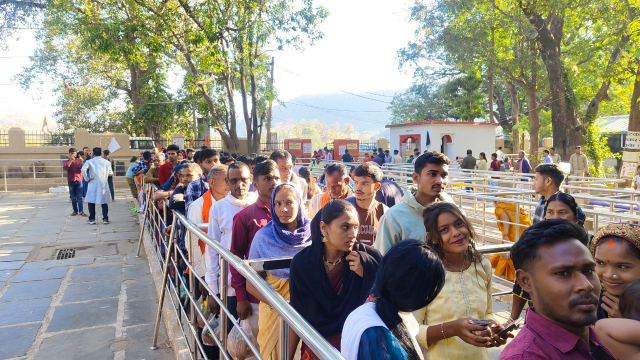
[[16, 340], [6, 274], [99, 305], [40, 274], [13, 257], [18, 249], [81, 345], [91, 291], [31, 290], [141, 289], [49, 264], [96, 273], [23, 311], [85, 314], [13, 265], [140, 312]]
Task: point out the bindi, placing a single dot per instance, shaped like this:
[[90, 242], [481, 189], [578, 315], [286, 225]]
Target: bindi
[[608, 260], [610, 243]]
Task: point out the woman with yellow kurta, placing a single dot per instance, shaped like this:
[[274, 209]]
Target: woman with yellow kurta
[[286, 234], [459, 323]]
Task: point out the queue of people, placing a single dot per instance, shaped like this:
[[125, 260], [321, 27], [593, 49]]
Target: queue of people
[[403, 279]]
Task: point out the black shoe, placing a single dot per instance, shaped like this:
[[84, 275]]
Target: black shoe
[[91, 222], [106, 221], [74, 213]]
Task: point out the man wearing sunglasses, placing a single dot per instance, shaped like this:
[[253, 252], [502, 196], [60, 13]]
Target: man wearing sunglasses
[[221, 224]]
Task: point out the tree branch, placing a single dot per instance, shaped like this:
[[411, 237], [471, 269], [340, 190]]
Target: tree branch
[[25, 4]]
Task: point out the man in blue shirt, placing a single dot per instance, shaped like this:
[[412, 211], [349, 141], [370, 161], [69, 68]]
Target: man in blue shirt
[[547, 157], [207, 159], [143, 166]]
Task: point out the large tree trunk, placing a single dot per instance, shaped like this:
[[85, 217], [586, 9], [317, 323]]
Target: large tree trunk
[[491, 114], [515, 114], [634, 113], [534, 120], [566, 132]]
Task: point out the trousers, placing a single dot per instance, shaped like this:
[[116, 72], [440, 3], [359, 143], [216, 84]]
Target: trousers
[[92, 211], [75, 193]]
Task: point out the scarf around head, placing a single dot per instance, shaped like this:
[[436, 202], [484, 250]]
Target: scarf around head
[[302, 233], [275, 240], [628, 232], [311, 294]]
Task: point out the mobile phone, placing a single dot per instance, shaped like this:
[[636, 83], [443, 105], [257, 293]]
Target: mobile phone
[[510, 327], [481, 322]]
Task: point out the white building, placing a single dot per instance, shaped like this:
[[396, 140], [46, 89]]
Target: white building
[[451, 138]]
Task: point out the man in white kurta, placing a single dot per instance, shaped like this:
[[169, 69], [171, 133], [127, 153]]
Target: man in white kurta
[[96, 172], [221, 223], [198, 209]]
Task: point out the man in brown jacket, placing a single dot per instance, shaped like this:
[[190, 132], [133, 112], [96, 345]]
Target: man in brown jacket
[[152, 175]]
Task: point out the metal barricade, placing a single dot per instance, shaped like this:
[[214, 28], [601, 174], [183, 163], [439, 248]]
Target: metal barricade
[[155, 221]]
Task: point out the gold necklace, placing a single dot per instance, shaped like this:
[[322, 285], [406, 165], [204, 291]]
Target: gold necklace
[[450, 265], [334, 263]]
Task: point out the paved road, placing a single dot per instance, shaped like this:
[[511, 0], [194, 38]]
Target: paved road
[[98, 305]]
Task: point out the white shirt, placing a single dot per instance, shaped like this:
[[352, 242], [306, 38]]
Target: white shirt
[[314, 205], [194, 214], [220, 226], [500, 155], [396, 159]]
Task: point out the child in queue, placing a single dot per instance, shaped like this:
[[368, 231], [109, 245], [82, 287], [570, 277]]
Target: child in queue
[[616, 250], [450, 326], [622, 336]]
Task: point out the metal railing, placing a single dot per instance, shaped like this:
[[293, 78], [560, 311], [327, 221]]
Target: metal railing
[[40, 174], [155, 219], [38, 138]]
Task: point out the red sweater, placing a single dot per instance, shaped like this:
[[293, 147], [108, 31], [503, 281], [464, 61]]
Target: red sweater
[[246, 224], [164, 172]]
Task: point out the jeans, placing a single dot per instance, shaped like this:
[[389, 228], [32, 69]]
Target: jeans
[[75, 193], [92, 211]]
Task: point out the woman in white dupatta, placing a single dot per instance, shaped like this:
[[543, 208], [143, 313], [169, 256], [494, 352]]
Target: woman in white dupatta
[[410, 276]]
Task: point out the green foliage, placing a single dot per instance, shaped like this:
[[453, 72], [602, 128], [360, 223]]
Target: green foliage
[[597, 150], [460, 98], [114, 58]]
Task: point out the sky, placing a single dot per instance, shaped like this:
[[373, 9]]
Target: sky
[[357, 54]]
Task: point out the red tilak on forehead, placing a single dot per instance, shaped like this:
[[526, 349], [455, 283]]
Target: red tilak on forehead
[[608, 260], [610, 242]]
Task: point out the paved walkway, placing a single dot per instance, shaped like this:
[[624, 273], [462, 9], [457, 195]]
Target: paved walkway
[[98, 305]]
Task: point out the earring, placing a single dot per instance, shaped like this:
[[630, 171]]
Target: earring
[[324, 237]]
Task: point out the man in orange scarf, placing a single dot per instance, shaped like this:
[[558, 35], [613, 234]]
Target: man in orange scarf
[[198, 212], [337, 179]]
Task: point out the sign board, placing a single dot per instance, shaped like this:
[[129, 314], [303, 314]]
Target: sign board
[[628, 170], [306, 148], [633, 140], [506, 137], [179, 142], [628, 156], [113, 145], [295, 146], [341, 149], [351, 146]]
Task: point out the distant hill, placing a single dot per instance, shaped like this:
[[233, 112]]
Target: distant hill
[[367, 112]]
